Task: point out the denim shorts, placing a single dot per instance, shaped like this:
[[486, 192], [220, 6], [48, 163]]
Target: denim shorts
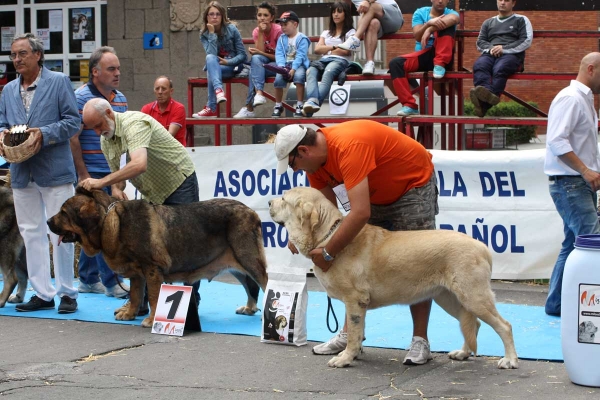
[[299, 78], [414, 211]]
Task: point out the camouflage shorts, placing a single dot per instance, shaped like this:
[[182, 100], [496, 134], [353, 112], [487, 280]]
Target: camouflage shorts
[[416, 210]]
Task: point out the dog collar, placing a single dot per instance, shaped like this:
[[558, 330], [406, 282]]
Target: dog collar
[[111, 206], [335, 225]]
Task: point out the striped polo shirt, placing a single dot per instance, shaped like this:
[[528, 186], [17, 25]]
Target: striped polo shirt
[[90, 142], [168, 162]]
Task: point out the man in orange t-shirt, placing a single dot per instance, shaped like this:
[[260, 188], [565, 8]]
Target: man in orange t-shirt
[[382, 177]]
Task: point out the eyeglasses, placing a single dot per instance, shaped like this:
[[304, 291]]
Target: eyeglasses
[[291, 164], [214, 14], [21, 54]]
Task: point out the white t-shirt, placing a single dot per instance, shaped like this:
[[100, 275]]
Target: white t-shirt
[[382, 2], [336, 41], [290, 56]]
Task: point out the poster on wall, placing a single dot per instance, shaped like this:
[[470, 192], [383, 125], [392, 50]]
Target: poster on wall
[[7, 33], [55, 18], [88, 46], [44, 36], [83, 22], [54, 65]]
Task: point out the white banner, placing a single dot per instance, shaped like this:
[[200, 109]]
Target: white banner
[[498, 197]]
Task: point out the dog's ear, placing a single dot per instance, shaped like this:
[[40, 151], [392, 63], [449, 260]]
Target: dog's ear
[[82, 190], [306, 210], [89, 217], [101, 197]]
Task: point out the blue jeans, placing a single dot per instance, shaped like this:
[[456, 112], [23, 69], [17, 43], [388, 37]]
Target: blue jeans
[[186, 193], [215, 73], [317, 92], [93, 269], [258, 75], [493, 72], [299, 78], [575, 201]]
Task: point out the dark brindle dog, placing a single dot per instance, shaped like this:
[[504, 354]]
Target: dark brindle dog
[[153, 244], [12, 251]]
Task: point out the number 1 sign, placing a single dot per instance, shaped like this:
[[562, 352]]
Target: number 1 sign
[[172, 310]]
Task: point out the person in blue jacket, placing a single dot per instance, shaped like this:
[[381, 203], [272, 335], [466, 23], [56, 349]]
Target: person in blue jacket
[[224, 51], [43, 100], [292, 53]]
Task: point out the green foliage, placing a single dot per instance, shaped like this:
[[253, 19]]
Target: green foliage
[[523, 133]]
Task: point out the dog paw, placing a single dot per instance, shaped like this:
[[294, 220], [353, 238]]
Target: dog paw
[[507, 363], [459, 355], [340, 361], [246, 310], [14, 299], [124, 315], [147, 322]]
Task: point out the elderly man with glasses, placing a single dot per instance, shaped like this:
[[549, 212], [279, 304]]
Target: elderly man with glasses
[[382, 177], [45, 102]]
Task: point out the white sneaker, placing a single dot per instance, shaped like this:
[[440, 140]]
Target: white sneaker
[[369, 68], [259, 100], [335, 345], [244, 113], [352, 44], [418, 353], [118, 291], [220, 96], [97, 287]]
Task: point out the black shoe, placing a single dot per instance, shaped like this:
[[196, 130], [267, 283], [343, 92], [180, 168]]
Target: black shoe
[[298, 112], [67, 305], [35, 304], [277, 111]]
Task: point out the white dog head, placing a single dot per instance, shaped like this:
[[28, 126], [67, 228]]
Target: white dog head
[[307, 215]]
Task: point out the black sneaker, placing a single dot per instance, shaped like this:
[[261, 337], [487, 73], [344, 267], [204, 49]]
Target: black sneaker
[[277, 111], [35, 304], [67, 305], [298, 112]]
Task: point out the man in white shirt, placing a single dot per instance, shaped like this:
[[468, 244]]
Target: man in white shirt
[[572, 164], [377, 18]]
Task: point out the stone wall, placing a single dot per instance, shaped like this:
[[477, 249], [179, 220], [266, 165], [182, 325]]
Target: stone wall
[[182, 57]]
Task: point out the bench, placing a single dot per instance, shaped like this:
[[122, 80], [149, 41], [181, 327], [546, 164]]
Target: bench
[[454, 79]]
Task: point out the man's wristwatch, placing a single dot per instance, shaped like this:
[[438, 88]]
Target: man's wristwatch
[[326, 256]]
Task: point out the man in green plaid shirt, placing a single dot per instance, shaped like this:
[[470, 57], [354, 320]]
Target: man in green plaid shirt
[[157, 164]]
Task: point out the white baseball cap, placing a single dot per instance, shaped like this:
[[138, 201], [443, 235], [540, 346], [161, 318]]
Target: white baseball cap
[[287, 139]]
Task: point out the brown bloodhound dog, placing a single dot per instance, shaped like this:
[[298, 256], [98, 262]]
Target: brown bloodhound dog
[[152, 244]]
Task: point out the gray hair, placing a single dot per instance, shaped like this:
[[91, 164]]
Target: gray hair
[[36, 44], [98, 104], [97, 55]]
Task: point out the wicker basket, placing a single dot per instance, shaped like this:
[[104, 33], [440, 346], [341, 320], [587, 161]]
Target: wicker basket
[[19, 153]]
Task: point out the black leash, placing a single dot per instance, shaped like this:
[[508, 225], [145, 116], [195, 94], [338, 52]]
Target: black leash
[[330, 307]]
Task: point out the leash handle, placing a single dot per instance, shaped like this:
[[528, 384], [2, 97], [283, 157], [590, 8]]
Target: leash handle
[[330, 308]]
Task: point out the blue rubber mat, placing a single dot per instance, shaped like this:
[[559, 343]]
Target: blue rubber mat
[[537, 336]]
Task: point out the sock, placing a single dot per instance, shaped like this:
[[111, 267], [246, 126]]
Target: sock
[[299, 103], [277, 104]]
